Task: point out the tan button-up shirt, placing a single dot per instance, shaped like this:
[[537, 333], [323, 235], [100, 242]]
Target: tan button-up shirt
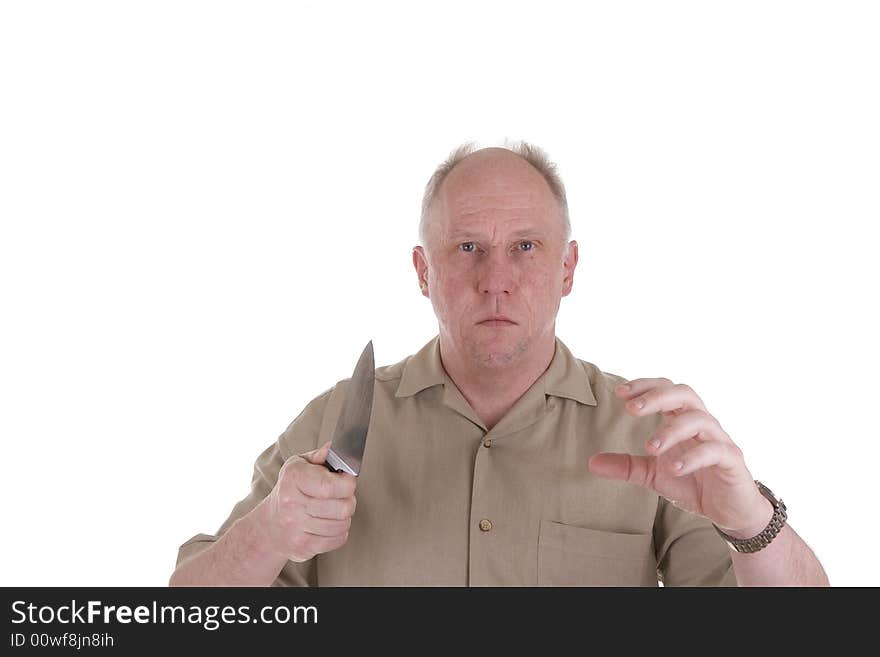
[[443, 501]]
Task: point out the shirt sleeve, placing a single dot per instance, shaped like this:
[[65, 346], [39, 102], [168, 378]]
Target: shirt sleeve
[[300, 436], [688, 549]]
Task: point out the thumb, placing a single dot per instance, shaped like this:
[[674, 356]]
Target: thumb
[[319, 455], [632, 469]]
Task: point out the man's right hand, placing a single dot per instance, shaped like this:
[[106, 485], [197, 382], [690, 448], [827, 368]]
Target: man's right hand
[[309, 510]]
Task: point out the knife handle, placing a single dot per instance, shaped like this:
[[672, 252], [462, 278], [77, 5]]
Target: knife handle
[[333, 463], [336, 464]]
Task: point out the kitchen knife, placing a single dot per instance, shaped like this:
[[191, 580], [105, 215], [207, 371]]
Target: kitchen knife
[[350, 437]]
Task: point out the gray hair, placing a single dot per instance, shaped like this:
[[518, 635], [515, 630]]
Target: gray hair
[[530, 153]]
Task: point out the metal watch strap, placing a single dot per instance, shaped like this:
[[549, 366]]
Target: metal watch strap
[[761, 540]]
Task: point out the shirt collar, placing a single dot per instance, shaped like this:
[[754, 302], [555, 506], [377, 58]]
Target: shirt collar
[[565, 377]]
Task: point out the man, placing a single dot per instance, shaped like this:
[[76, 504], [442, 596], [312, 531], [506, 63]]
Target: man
[[495, 457]]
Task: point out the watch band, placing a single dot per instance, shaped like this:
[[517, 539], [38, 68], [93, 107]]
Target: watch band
[[761, 540]]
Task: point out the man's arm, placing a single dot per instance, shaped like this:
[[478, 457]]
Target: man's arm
[[308, 512], [787, 561], [692, 462], [242, 556]]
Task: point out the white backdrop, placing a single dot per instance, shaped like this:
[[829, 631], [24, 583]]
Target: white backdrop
[[208, 208]]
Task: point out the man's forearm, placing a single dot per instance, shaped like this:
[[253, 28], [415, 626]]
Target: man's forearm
[[240, 557], [787, 561]]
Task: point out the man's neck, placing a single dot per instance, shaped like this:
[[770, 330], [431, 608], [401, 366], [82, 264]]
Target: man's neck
[[492, 391]]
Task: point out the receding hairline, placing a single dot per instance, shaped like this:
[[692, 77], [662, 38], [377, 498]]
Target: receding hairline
[[532, 154]]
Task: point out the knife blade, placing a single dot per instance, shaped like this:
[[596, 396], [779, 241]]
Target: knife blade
[[350, 436]]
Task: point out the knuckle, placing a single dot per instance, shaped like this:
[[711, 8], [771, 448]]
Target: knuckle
[[291, 482], [292, 468], [283, 490]]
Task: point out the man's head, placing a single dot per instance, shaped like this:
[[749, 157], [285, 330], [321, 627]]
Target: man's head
[[494, 234]]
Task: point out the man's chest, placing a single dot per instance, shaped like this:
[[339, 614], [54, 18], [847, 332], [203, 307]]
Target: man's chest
[[449, 504]]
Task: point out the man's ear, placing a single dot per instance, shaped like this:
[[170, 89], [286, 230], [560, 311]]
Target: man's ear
[[420, 262], [568, 265]]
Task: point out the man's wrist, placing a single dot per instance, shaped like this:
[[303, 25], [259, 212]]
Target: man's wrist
[[744, 541], [762, 518], [258, 530]]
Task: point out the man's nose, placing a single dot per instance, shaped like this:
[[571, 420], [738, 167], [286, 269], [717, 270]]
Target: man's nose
[[497, 275]]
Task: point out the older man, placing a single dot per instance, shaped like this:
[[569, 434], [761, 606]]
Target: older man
[[495, 457]]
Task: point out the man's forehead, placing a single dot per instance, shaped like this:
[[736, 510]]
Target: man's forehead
[[514, 201], [507, 206]]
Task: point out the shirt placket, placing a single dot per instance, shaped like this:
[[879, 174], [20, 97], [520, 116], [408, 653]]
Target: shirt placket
[[482, 528]]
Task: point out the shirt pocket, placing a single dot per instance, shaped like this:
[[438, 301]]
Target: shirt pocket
[[577, 556]]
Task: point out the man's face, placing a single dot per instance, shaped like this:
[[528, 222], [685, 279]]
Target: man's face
[[496, 262]]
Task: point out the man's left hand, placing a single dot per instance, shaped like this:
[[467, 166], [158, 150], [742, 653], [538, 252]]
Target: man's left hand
[[692, 461]]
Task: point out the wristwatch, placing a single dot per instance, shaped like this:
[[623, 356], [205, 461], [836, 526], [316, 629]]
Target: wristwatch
[[761, 540]]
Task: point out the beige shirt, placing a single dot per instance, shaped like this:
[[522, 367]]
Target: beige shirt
[[443, 501]]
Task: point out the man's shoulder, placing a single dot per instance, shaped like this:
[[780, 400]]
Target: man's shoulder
[[389, 374], [598, 377], [600, 380], [393, 372]]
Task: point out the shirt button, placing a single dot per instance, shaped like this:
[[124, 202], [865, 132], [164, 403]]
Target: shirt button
[[485, 524], [487, 443]]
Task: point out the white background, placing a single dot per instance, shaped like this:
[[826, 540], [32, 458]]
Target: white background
[[208, 208]]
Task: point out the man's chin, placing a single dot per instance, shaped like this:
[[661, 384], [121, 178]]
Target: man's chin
[[497, 354]]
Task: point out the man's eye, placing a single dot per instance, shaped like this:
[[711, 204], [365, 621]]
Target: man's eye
[[468, 247], [526, 245]]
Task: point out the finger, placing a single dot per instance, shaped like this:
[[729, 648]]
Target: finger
[[710, 454], [318, 456], [625, 467], [324, 527], [318, 481], [332, 509], [675, 398], [690, 424], [320, 544], [630, 389], [636, 388]]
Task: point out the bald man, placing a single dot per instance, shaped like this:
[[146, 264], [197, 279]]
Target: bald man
[[495, 456]]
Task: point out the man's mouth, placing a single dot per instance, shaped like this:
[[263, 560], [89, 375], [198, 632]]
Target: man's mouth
[[497, 320]]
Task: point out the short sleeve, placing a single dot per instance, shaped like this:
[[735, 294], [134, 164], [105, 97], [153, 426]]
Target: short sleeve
[[300, 436], [688, 549]]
